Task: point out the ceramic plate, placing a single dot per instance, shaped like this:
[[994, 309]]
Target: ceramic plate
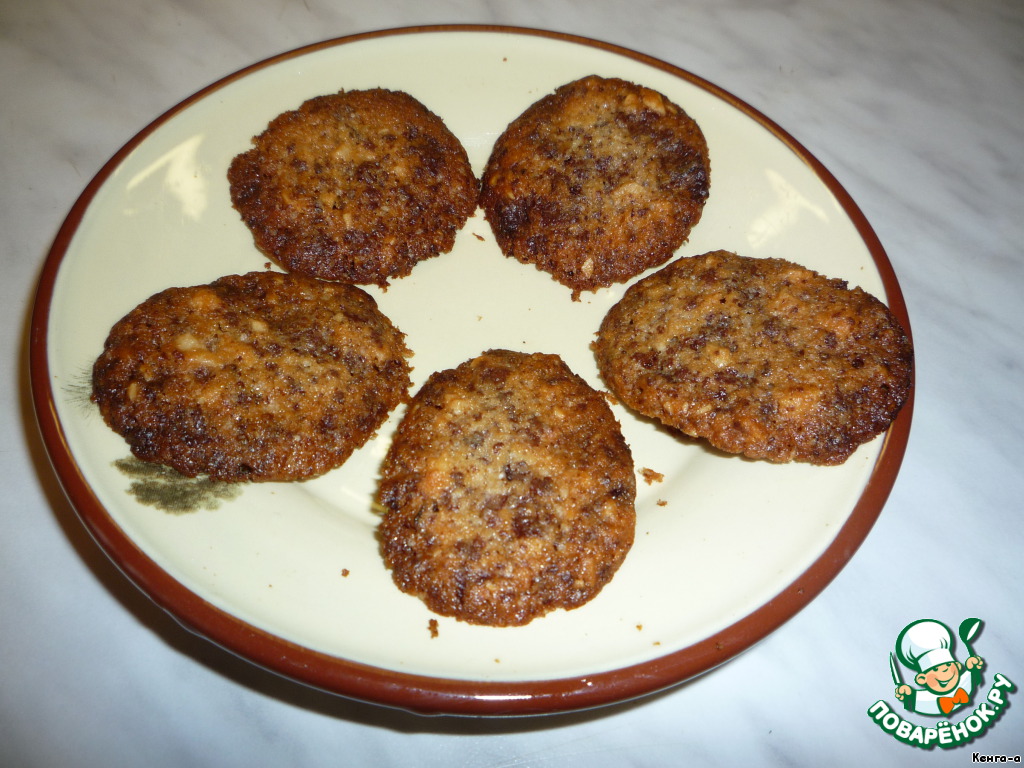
[[289, 575]]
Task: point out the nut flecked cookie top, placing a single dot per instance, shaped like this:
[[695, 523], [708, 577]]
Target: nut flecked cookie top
[[264, 376], [508, 491], [596, 182], [356, 186], [758, 356]]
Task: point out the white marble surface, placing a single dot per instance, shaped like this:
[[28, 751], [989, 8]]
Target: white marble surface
[[916, 106]]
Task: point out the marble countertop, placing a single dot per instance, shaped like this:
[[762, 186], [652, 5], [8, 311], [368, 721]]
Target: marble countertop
[[916, 107]]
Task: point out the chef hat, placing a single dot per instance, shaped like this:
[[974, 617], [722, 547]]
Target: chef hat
[[924, 644]]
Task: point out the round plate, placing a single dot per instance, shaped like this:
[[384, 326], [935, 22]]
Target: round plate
[[289, 575]]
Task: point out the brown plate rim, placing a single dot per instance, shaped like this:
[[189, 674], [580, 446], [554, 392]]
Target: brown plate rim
[[430, 695]]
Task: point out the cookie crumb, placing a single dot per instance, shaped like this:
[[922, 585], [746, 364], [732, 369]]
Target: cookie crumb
[[650, 476]]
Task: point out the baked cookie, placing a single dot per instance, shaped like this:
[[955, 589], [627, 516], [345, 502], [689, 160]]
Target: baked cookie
[[596, 182], [508, 491], [358, 186], [758, 356], [264, 376]]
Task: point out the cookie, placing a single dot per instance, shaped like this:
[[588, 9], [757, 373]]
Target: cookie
[[508, 491], [264, 376], [357, 186], [760, 357], [596, 182]]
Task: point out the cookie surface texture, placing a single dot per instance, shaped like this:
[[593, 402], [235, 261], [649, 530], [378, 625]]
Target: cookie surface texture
[[264, 376], [596, 182], [760, 357], [508, 491], [357, 186]]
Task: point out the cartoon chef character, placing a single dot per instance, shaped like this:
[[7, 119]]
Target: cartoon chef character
[[926, 645]]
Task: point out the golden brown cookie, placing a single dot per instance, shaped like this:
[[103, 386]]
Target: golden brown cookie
[[596, 182], [758, 356], [357, 186], [508, 491], [264, 376]]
